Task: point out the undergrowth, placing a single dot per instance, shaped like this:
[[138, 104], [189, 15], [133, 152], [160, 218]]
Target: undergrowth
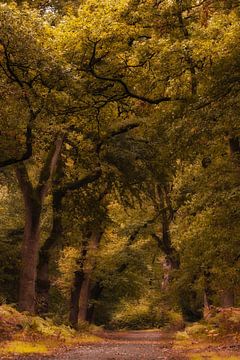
[[21, 333]]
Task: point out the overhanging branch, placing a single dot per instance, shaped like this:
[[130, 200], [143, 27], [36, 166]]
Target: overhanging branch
[[127, 91], [80, 183]]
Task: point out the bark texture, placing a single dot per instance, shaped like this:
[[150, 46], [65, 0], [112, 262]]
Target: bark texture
[[33, 202], [76, 288], [88, 269], [43, 281]]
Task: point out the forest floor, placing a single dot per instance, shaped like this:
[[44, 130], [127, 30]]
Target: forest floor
[[25, 337], [141, 345]]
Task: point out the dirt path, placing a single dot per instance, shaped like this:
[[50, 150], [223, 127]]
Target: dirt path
[[140, 345], [134, 345]]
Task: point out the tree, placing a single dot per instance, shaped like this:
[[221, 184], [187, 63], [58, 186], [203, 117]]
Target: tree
[[33, 200]]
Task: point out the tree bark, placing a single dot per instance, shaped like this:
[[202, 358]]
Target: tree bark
[[30, 241], [84, 297], [165, 243], [43, 282], [88, 269], [29, 257], [75, 295], [95, 294], [33, 202]]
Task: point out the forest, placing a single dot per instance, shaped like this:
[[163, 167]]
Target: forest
[[120, 160]]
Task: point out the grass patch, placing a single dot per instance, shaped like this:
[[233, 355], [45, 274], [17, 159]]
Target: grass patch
[[85, 338], [24, 347]]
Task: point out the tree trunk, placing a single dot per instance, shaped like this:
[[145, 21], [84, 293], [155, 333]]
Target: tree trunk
[[165, 244], [33, 201], [208, 293], [84, 297], [86, 264], [88, 269], [75, 295], [43, 285], [77, 286], [43, 282], [29, 258], [95, 294]]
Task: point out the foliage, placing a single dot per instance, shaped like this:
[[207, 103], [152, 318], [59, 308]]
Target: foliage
[[145, 98], [143, 314]]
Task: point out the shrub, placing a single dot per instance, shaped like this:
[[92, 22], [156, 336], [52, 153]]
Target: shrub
[[144, 315], [196, 329]]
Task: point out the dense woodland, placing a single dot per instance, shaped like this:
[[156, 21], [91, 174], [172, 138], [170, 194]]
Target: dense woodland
[[120, 159]]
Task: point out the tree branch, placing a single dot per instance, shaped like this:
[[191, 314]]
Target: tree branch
[[128, 92], [80, 183], [49, 168], [115, 133], [24, 183]]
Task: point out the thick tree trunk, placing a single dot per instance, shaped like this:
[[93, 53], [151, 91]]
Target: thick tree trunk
[[43, 281], [29, 258], [33, 201]]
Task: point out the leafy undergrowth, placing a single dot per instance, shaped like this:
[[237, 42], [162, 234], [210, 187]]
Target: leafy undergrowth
[[218, 337], [21, 333], [143, 315]]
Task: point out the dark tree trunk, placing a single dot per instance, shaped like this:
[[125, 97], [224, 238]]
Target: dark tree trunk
[[75, 295], [165, 243], [29, 257], [95, 294], [83, 277], [33, 202], [43, 282], [208, 294]]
